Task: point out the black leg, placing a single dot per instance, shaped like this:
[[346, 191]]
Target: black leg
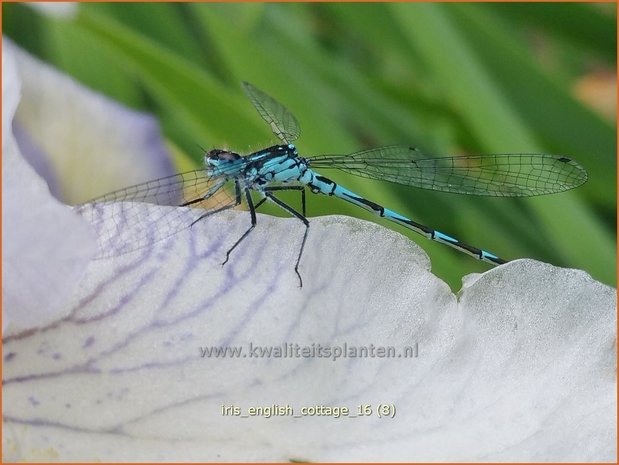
[[191, 202], [287, 188], [260, 203], [208, 194], [252, 212], [236, 202], [292, 211]]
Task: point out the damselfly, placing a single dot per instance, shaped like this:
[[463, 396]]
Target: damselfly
[[195, 195]]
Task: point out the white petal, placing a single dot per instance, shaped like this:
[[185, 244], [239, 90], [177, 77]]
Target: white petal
[[521, 367], [11, 92], [83, 143], [45, 246]]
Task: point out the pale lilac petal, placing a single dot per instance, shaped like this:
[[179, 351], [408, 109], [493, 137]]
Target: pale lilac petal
[[519, 367], [11, 92], [85, 144], [45, 245], [37, 159]]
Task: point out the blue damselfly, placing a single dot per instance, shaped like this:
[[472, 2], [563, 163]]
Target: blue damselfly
[[198, 194]]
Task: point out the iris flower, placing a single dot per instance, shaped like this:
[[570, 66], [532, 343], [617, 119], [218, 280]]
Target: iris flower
[[164, 355]]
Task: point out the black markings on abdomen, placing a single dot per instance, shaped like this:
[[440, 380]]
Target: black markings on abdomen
[[378, 209], [324, 180]]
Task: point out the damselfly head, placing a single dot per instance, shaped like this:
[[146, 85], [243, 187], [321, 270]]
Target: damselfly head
[[213, 157]]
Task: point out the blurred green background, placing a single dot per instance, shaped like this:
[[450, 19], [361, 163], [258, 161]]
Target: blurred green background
[[447, 78]]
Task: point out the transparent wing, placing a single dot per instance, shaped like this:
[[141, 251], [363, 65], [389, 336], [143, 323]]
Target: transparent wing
[[123, 224], [283, 124], [501, 175]]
